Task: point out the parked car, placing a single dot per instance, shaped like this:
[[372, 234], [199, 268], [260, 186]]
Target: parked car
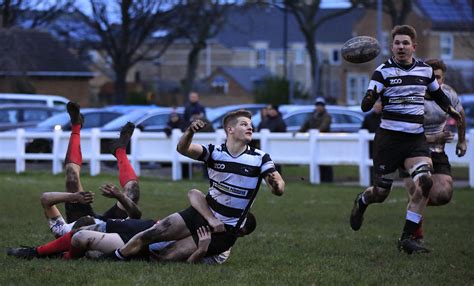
[[216, 114], [43, 99], [151, 120], [344, 119], [14, 116], [93, 118]]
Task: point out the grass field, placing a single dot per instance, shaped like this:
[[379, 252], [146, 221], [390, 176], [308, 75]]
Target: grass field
[[302, 238]]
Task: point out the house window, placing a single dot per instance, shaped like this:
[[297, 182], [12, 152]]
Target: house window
[[335, 57], [220, 85], [261, 57], [385, 43], [446, 45], [299, 56], [357, 84]]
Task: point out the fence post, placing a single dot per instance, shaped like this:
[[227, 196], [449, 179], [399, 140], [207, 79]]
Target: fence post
[[134, 150], [314, 175], [364, 168], [264, 139], [20, 151], [176, 172], [57, 167], [470, 149], [95, 152]]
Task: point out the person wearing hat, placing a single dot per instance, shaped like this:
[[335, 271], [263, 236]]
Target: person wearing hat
[[321, 120]]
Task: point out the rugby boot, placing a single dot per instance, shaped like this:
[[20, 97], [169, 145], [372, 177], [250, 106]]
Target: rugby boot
[[23, 252], [73, 109], [410, 245], [357, 213], [125, 134]]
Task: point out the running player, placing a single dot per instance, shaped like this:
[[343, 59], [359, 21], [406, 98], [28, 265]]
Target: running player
[[437, 136], [400, 142]]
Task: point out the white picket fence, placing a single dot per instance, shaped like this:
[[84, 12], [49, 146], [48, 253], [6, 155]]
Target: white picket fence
[[311, 149]]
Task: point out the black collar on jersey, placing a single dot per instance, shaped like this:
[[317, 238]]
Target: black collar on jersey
[[224, 148], [402, 66]]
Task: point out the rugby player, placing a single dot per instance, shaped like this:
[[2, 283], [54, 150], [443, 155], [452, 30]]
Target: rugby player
[[235, 172], [400, 142]]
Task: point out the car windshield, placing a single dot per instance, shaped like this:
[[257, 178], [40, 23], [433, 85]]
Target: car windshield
[[116, 124], [58, 119]]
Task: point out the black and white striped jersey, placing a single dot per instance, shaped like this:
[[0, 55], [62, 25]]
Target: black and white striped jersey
[[404, 90], [233, 180]]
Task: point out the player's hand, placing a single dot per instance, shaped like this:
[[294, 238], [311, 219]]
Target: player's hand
[[110, 191], [85, 197], [370, 98], [204, 235], [197, 125], [461, 148], [216, 225], [454, 114]]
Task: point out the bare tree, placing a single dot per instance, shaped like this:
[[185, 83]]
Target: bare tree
[[31, 13], [126, 35], [198, 21], [306, 14], [398, 10]]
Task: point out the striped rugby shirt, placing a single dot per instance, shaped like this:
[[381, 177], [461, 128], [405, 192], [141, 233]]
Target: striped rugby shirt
[[233, 180], [404, 92]]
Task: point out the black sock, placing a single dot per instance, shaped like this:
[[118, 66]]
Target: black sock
[[409, 229]]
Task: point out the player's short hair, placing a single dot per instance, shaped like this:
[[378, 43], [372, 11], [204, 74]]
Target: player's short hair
[[231, 117], [404, 30], [437, 64], [250, 224], [83, 221]]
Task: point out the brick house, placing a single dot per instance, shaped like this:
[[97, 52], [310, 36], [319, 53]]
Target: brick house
[[33, 61]]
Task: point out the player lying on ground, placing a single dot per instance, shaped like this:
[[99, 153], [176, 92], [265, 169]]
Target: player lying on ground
[[107, 236], [77, 201], [235, 172]]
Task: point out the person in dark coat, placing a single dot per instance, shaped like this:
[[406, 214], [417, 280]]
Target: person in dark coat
[[193, 107], [273, 120]]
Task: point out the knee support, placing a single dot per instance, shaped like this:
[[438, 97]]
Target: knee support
[[421, 172], [383, 186]]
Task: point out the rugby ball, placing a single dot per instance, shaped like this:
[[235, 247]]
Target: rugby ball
[[360, 49]]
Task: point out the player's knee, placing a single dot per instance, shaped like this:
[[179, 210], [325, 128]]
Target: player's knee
[[421, 173], [132, 190], [79, 240], [44, 199], [382, 188]]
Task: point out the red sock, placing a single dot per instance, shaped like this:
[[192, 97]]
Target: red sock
[[74, 154], [419, 231], [56, 246], [126, 172], [74, 253]]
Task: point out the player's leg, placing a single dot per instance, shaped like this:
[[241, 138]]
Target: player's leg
[[385, 164], [94, 240], [127, 176], [420, 169], [178, 251], [172, 227]]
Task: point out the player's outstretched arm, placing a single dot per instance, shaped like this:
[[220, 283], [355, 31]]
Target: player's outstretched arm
[[198, 201], [275, 183], [50, 199], [204, 235], [369, 99], [111, 191], [185, 145]]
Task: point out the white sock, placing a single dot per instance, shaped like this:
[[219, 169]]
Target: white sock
[[414, 217]]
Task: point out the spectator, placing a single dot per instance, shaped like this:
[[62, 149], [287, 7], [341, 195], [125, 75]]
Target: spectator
[[175, 121], [193, 107], [273, 120], [320, 120], [371, 123]]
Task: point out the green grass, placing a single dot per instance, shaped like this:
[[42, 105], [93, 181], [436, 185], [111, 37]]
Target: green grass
[[302, 238]]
